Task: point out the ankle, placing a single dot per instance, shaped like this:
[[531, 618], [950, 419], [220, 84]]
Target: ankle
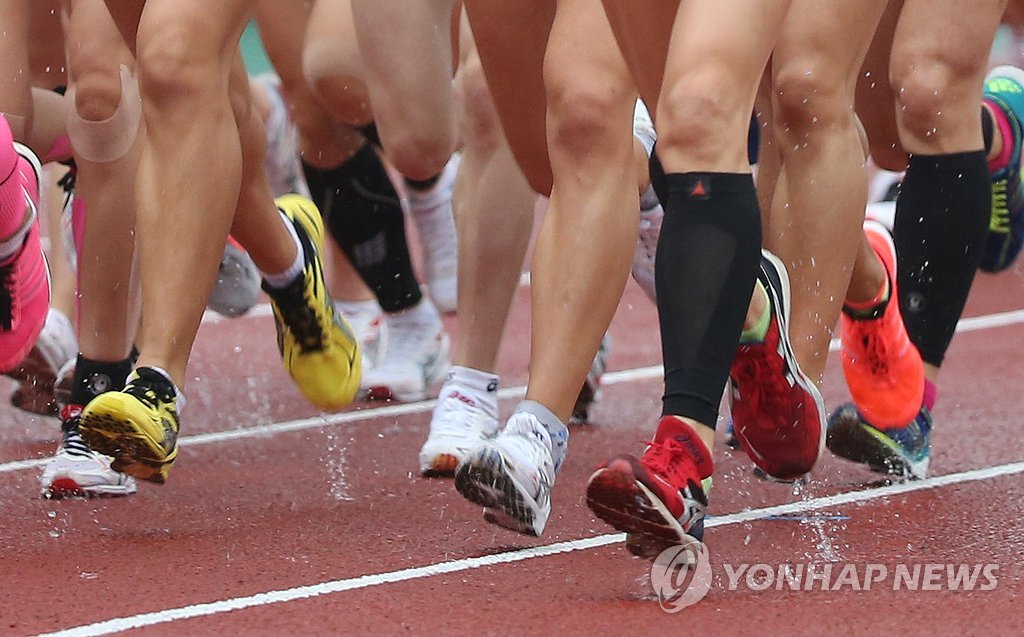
[[697, 438], [873, 306], [480, 386], [755, 325]]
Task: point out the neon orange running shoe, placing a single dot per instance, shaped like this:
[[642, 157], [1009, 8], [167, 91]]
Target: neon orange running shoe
[[883, 368]]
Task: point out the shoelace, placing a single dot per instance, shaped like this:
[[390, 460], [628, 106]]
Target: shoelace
[[875, 346], [299, 314], [73, 444], [669, 458], [153, 393], [1000, 220], [71, 439], [759, 374]]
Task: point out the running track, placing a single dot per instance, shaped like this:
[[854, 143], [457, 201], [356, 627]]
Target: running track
[[278, 520]]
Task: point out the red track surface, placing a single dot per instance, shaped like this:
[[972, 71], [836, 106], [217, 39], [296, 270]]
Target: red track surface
[[330, 502]]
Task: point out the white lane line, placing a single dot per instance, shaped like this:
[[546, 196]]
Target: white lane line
[[988, 321], [441, 568]]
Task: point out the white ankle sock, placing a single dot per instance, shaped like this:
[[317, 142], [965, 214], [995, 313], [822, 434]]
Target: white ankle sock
[[282, 279], [479, 385]]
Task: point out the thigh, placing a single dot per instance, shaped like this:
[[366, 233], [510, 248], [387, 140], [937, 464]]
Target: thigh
[[642, 30], [511, 39], [190, 33], [283, 31]]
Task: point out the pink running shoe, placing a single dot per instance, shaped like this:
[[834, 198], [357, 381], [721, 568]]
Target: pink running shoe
[[24, 276]]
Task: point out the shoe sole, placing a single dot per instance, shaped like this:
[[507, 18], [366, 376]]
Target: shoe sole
[[486, 481], [799, 377], [626, 504], [848, 438], [135, 453], [66, 488], [443, 465]]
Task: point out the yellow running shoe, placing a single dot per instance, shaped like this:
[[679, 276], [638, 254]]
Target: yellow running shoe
[[318, 346], [137, 426]]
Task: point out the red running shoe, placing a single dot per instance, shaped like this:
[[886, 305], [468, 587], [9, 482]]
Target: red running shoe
[[778, 414], [883, 369], [659, 499]]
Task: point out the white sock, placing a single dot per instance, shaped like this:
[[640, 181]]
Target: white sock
[[479, 385], [282, 279], [179, 398]]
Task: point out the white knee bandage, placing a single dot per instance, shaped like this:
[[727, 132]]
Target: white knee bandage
[[112, 138]]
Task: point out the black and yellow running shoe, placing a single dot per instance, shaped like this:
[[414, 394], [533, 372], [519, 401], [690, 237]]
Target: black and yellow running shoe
[[137, 426], [318, 346]]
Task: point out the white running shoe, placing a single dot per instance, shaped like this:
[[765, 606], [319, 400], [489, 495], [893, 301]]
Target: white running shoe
[[435, 224], [237, 287], [55, 346], [413, 356], [646, 248], [651, 213], [511, 475], [284, 170], [77, 471], [459, 425], [367, 321]]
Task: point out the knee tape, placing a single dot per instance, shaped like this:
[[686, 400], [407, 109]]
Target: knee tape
[[110, 139]]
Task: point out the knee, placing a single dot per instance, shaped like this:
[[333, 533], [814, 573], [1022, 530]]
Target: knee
[[586, 119], [924, 88], [176, 63], [418, 154], [97, 79], [343, 94], [97, 91], [807, 99], [696, 114]]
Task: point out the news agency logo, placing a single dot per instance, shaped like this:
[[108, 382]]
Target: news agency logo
[[681, 576]]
